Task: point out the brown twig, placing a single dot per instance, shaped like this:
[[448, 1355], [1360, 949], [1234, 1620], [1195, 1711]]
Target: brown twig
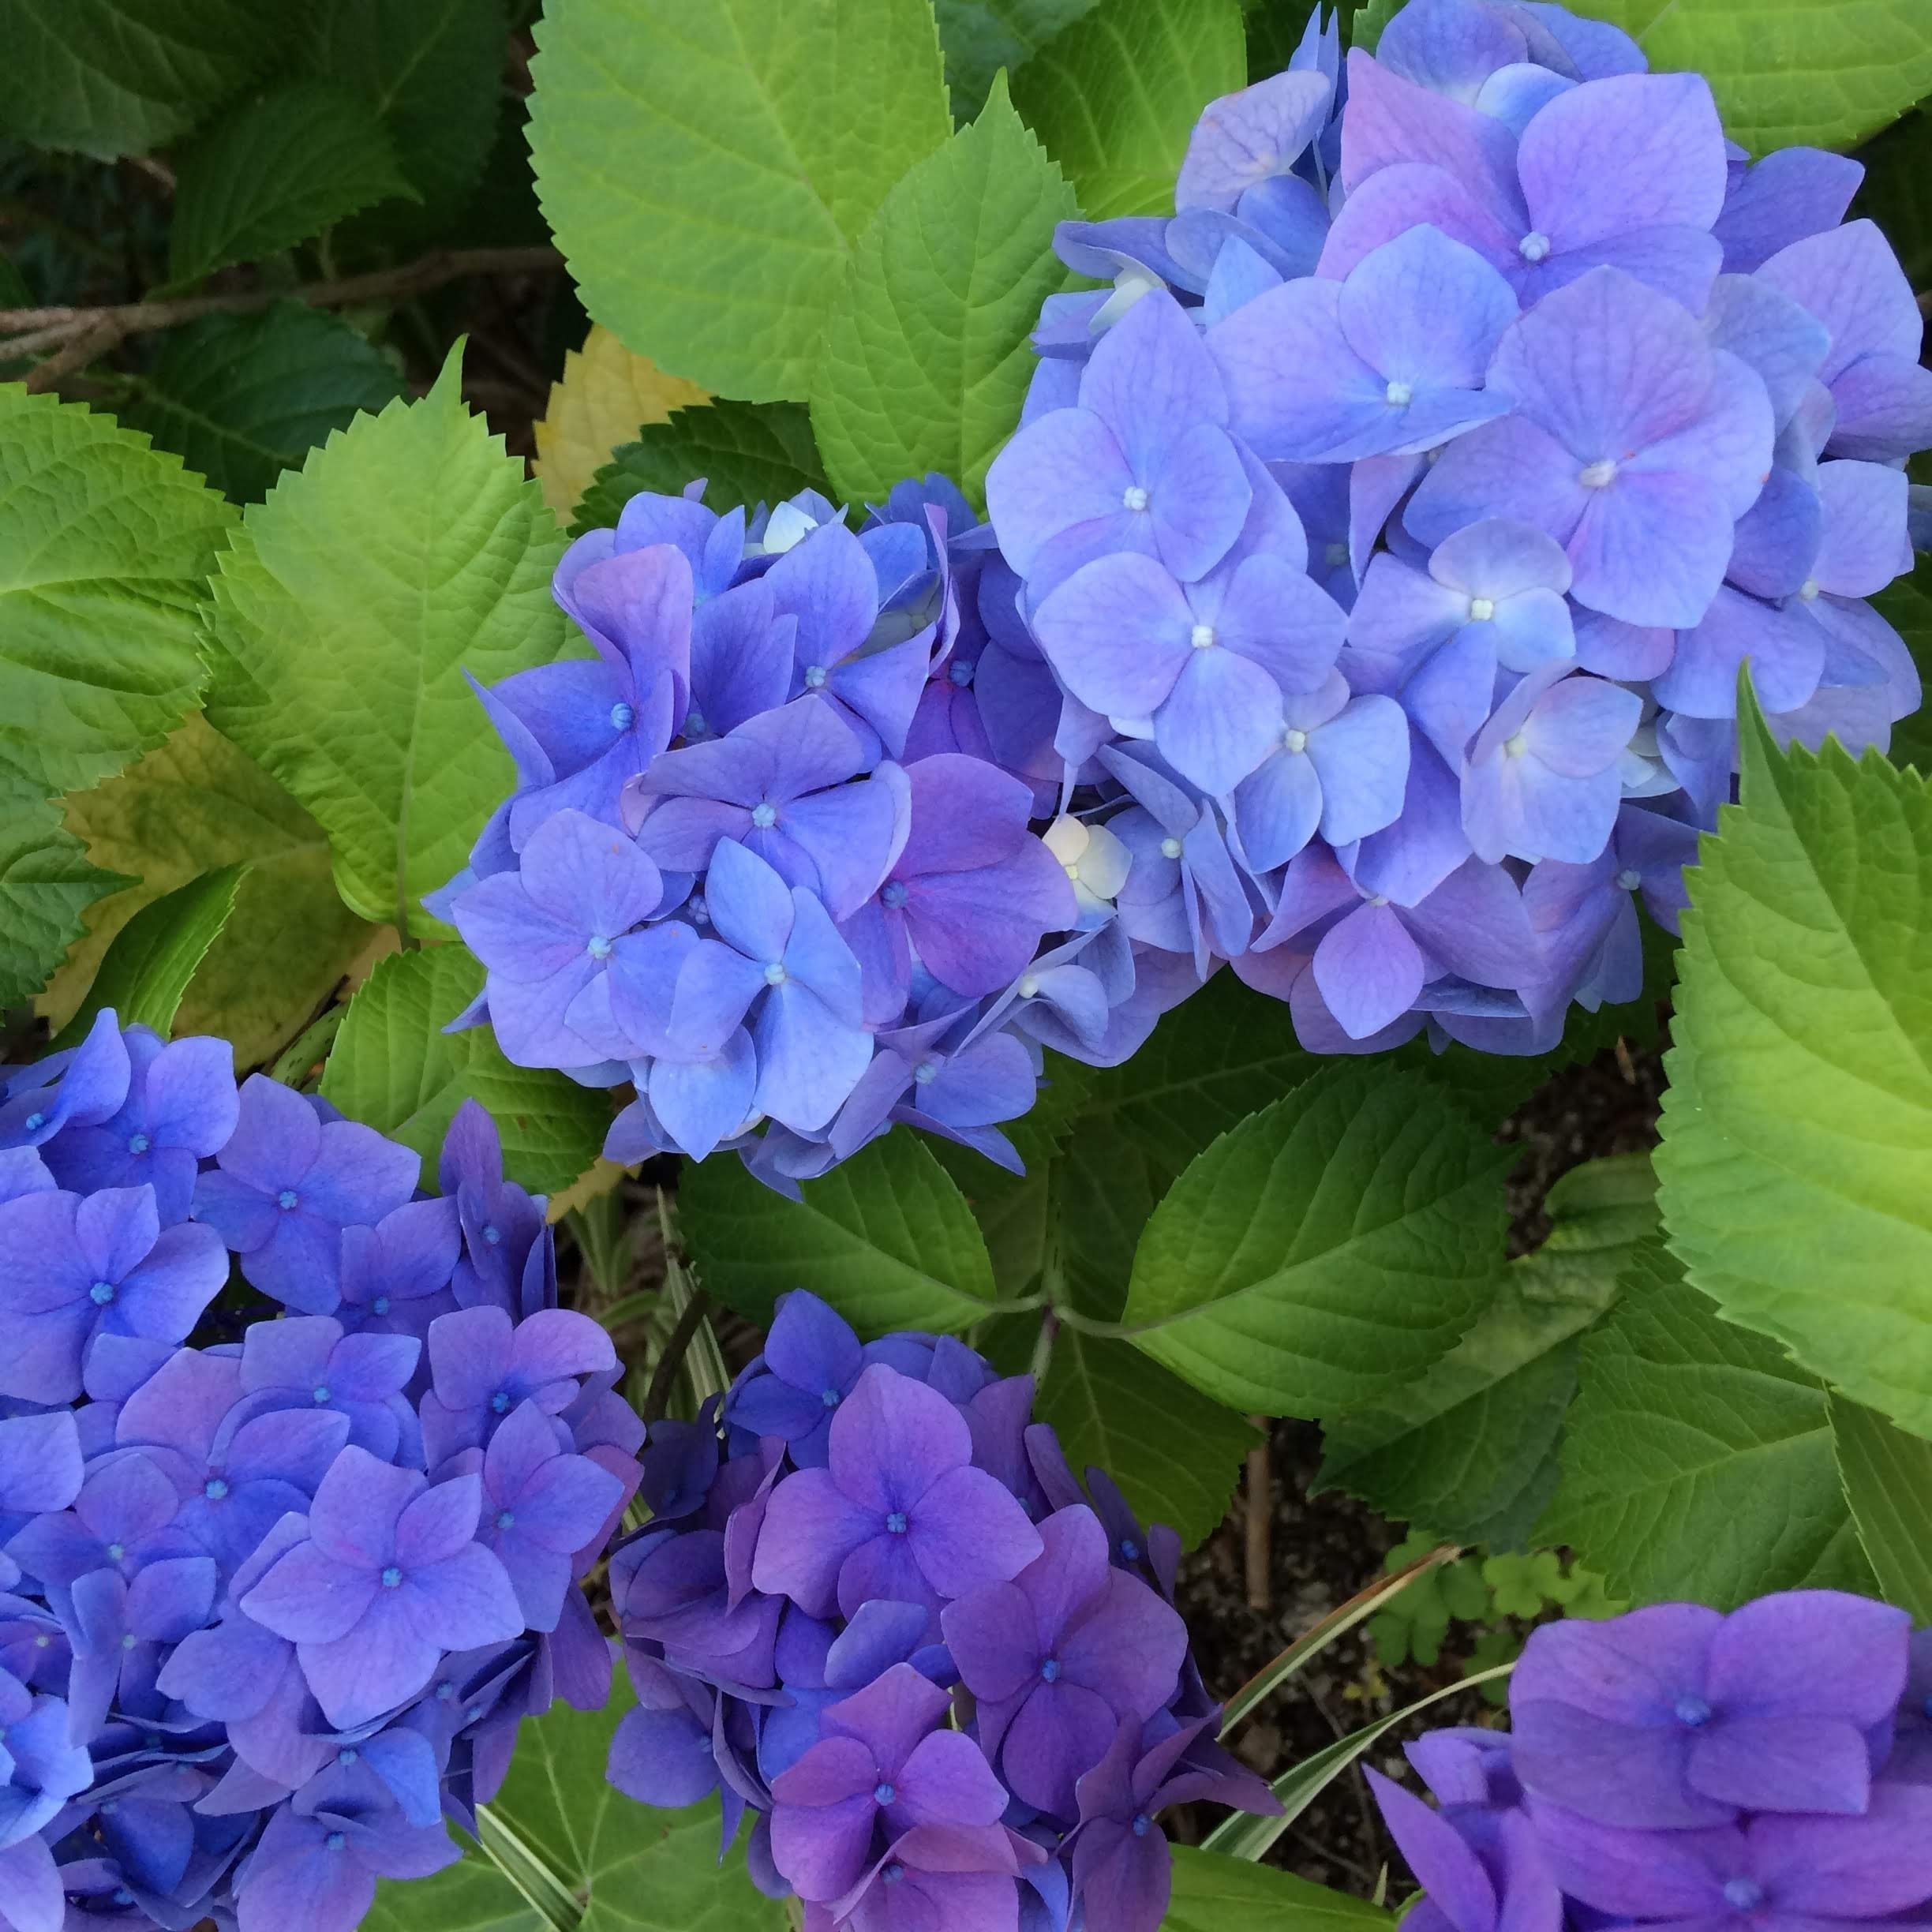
[[83, 347], [26, 331]]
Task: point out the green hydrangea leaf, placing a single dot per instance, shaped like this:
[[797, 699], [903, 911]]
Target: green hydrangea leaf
[[1327, 1250], [432, 70], [1468, 1448], [393, 1067], [105, 546], [1888, 1482], [1793, 1167], [558, 1832], [928, 353], [1697, 1459], [147, 968], [243, 398], [1897, 192], [1790, 71], [192, 806], [286, 167], [409, 550], [748, 453], [1115, 95], [885, 1237], [707, 169], [1213, 1892], [981, 36], [1906, 604], [1175, 1454], [111, 77], [46, 883]]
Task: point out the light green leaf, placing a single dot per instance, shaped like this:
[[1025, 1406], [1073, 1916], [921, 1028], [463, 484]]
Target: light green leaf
[[1789, 71], [1216, 1894], [599, 1861], [1116, 96], [1369, 20], [409, 550], [1697, 1462], [1795, 1170], [707, 168], [286, 167], [112, 77], [432, 72], [928, 353], [147, 968], [1175, 1454], [393, 1067], [748, 453], [243, 398], [980, 37], [196, 804], [1888, 1481], [105, 545], [885, 1237], [1470, 1447], [46, 883], [1327, 1250]]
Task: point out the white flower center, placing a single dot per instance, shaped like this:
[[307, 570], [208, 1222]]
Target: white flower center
[[1398, 394], [1029, 987], [1809, 589], [1597, 475], [1481, 609], [1170, 848], [1534, 247], [1515, 747], [1294, 740], [1133, 497], [1629, 879], [1201, 636]]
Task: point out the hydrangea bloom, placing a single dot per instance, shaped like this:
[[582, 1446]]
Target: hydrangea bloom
[[806, 1600], [1677, 1765], [275, 1609]]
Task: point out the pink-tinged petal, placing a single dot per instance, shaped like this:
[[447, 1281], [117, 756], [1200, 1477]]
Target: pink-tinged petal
[[809, 1531], [993, 1637], [884, 1570], [439, 1523], [892, 1439], [947, 1780], [966, 813], [852, 835], [1199, 500], [1369, 970], [1785, 1763], [1390, 120], [1670, 1875], [1652, 550], [821, 1851], [1728, 447], [1791, 193], [1266, 352], [1426, 309], [1642, 151], [1279, 617], [1244, 139], [1785, 649], [1802, 1652], [1580, 725], [1444, 1864], [378, 1666], [1474, 923], [588, 876], [1865, 544], [1885, 410], [309, 1597], [1399, 198], [1059, 1734], [1064, 468], [1836, 1869], [1509, 469], [680, 834], [1850, 279], [359, 1175], [976, 930]]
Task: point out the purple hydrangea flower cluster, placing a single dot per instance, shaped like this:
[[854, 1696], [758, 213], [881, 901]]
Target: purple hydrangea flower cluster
[[273, 1608], [1767, 1768], [874, 1609], [1394, 526]]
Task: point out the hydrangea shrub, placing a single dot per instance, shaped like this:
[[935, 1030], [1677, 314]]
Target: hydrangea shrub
[[1159, 546]]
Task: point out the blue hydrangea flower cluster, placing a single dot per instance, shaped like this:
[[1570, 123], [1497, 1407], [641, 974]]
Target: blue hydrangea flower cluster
[[771, 857], [1770, 1768], [272, 1607], [1396, 525], [874, 1609]]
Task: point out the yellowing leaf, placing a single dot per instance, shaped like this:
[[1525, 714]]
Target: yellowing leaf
[[606, 394]]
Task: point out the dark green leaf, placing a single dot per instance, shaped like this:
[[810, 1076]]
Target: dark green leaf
[[1888, 1480], [286, 167], [981, 36], [243, 398], [1908, 603], [1274, 30], [432, 72], [885, 1237], [929, 350], [1897, 192], [147, 967], [395, 1067], [1327, 1250], [1175, 1453], [46, 883], [1698, 1458], [1115, 95], [112, 77], [1469, 1448], [1216, 1894], [748, 453]]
